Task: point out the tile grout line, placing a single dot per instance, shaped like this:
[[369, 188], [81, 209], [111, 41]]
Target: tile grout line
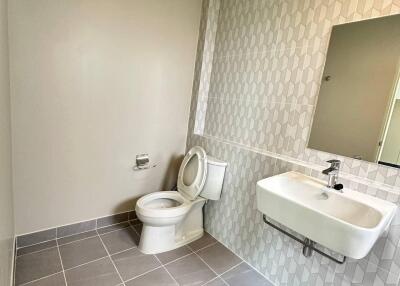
[[56, 229], [167, 270], [390, 189], [56, 240], [259, 272], [144, 273], [209, 268], [36, 280], [109, 256], [204, 247], [37, 243], [86, 263], [37, 251], [62, 264], [220, 275]]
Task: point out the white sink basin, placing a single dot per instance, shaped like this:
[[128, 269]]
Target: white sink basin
[[348, 223]]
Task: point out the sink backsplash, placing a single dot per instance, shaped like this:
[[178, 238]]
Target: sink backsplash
[[258, 69], [235, 221]]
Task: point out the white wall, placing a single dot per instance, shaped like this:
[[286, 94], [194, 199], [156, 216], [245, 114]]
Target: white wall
[[93, 84], [6, 200]]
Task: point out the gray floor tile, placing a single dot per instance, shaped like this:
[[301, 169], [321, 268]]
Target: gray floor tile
[[97, 273], [36, 247], [190, 270], [120, 240], [244, 275], [53, 280], [76, 237], [82, 251], [216, 282], [138, 227], [37, 237], [204, 241], [37, 265], [113, 219], [112, 227], [132, 215], [132, 263], [219, 258], [169, 256], [76, 228], [156, 277]]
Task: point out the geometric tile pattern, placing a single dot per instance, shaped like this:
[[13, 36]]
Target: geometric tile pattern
[[102, 261], [235, 221], [267, 64], [208, 31]]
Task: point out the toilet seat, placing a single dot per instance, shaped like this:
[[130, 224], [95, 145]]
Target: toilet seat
[[179, 205], [193, 173], [172, 219], [191, 179]]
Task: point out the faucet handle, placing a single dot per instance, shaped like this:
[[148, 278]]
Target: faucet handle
[[334, 163]]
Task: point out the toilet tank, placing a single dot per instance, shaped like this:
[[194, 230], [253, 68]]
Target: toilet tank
[[215, 178]]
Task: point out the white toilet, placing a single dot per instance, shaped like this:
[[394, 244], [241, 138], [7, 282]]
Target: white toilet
[[172, 219]]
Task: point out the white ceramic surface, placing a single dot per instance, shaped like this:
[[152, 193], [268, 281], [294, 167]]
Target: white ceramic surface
[[172, 219], [348, 223]]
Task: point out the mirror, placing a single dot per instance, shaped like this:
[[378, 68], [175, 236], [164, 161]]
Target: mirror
[[358, 109]]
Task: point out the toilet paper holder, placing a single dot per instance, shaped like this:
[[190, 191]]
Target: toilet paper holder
[[143, 163]]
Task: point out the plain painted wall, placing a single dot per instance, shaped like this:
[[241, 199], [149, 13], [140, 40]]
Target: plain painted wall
[[6, 199], [93, 84], [351, 111]]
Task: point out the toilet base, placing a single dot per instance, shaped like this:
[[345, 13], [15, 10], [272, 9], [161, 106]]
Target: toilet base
[[157, 239], [160, 242]]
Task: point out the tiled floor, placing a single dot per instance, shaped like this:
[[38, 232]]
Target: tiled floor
[[109, 257]]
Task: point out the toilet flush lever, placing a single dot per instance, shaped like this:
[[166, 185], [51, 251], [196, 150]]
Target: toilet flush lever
[[143, 162]]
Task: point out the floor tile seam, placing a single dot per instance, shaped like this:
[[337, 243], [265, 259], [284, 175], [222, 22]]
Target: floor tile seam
[[86, 263], [252, 267], [62, 265], [66, 236], [34, 244], [215, 278], [78, 240], [78, 233], [37, 251], [223, 273], [226, 271], [216, 274], [111, 230], [104, 226], [132, 227], [97, 234], [144, 273], [177, 259], [97, 259], [109, 257], [100, 234], [205, 247], [38, 279], [170, 275]]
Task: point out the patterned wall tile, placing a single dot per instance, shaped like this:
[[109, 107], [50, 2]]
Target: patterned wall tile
[[261, 76]]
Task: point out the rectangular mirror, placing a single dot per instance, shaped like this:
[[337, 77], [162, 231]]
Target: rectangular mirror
[[358, 109]]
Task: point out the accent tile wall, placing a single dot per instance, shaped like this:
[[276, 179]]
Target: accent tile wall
[[267, 63]]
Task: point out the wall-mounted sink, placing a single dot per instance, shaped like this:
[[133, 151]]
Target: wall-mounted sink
[[348, 223]]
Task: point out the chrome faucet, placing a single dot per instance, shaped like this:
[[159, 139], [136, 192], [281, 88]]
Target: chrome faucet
[[333, 174]]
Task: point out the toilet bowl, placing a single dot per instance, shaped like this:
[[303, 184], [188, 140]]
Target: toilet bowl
[[172, 219]]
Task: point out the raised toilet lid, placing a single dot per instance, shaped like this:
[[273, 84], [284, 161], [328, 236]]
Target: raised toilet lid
[[192, 173]]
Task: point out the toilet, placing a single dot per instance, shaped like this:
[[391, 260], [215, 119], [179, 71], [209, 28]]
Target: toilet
[[172, 219]]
